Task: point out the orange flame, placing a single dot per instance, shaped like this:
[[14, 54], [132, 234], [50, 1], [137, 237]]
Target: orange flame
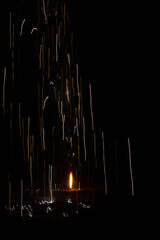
[[70, 180]]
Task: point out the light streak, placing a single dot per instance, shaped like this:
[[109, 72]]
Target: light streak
[[22, 27], [95, 151], [11, 123], [4, 87], [44, 11], [130, 166], [13, 53], [44, 104], [63, 123], [51, 185], [104, 165], [31, 175], [20, 127], [10, 29], [50, 182], [33, 29], [23, 145], [21, 205], [64, 19], [43, 134], [9, 205], [76, 128], [56, 47], [84, 139], [40, 57], [77, 79], [91, 108], [28, 139], [49, 68]]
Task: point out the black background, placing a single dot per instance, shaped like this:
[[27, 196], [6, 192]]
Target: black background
[[117, 53]]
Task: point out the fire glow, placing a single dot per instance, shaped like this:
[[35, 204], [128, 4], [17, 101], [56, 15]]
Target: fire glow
[[70, 180]]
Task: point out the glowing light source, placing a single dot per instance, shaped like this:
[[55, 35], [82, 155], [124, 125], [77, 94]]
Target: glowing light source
[[70, 180]]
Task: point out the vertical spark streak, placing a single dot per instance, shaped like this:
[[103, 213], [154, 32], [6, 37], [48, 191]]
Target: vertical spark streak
[[31, 175], [9, 197], [77, 129], [51, 184], [84, 139], [4, 87], [116, 157], [104, 165], [61, 109], [91, 108], [23, 145], [28, 137], [20, 127], [12, 53], [64, 19], [44, 177], [56, 47], [40, 57], [43, 134], [95, 152], [77, 79], [11, 123], [21, 206], [59, 105], [63, 122], [49, 68], [44, 10], [130, 166], [10, 29], [22, 27]]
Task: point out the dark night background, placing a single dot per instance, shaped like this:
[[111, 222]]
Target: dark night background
[[116, 46], [118, 54]]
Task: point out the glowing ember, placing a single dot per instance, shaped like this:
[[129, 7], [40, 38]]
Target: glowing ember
[[70, 180]]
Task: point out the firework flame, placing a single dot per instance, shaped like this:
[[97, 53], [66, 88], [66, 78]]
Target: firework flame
[[70, 180]]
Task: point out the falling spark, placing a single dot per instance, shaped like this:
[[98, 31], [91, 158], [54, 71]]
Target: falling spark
[[51, 183], [91, 108], [64, 19], [23, 145], [95, 152], [44, 104], [22, 27], [70, 180], [4, 86], [11, 126], [44, 11], [9, 205], [28, 139], [77, 79], [43, 133], [21, 206], [40, 57], [76, 128], [130, 166], [56, 47], [31, 174], [13, 54], [117, 178], [61, 109], [104, 165], [10, 29], [33, 29], [84, 139], [63, 122], [67, 91], [49, 63], [20, 127]]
